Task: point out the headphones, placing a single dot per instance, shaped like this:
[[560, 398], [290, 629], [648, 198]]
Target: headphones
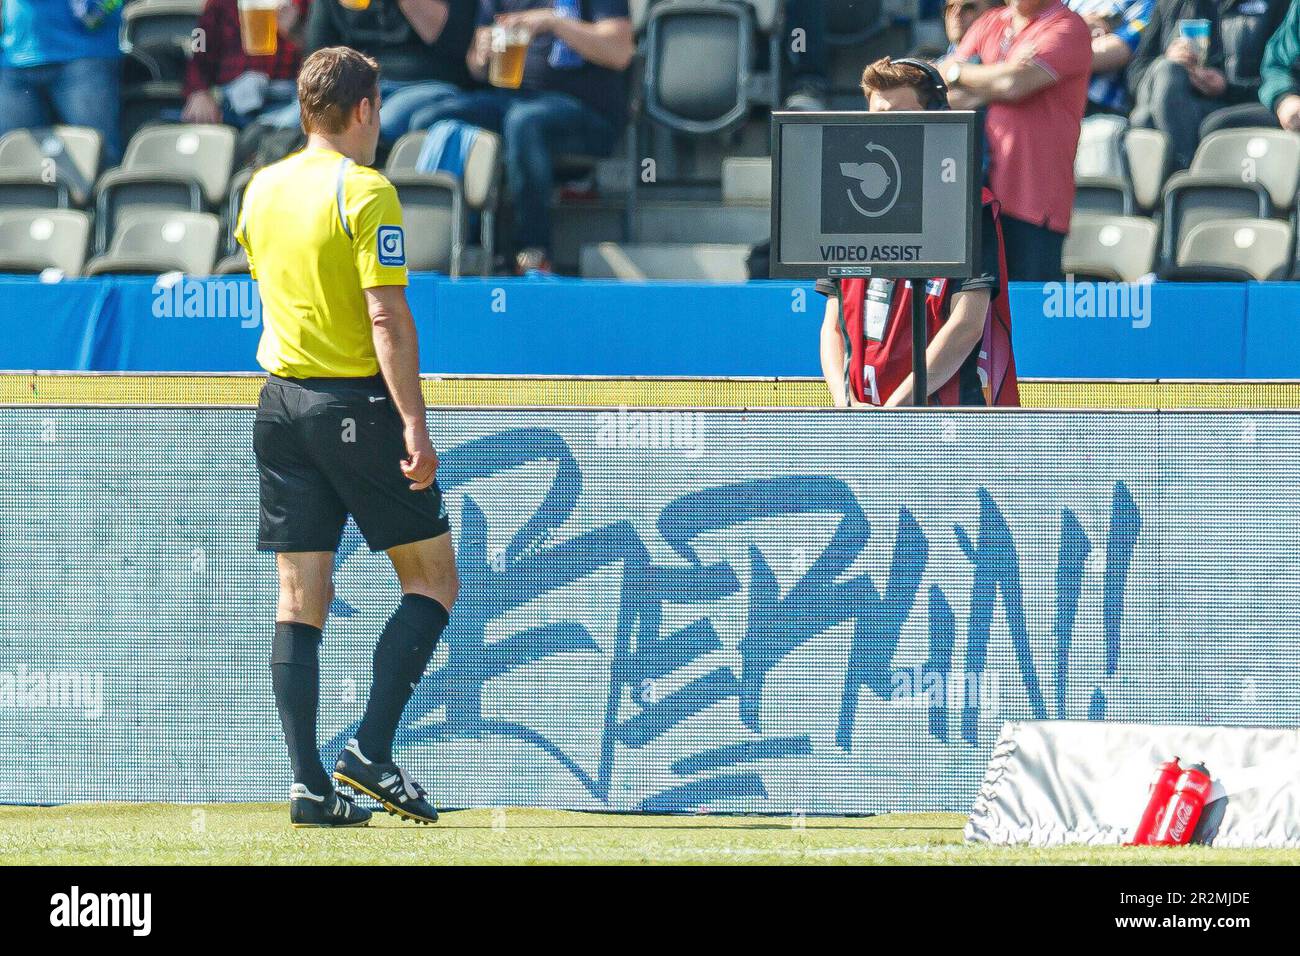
[[937, 92]]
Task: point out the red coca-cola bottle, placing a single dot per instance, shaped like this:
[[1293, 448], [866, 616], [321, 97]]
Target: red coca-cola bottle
[[1185, 806], [1162, 788]]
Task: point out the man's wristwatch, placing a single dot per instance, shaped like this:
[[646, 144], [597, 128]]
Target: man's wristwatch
[[952, 75]]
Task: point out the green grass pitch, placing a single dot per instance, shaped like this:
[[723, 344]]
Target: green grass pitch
[[126, 834]]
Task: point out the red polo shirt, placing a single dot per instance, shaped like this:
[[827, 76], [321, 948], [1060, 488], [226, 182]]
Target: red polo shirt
[[1032, 141]]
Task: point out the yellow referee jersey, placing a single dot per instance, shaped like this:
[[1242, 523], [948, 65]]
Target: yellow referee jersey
[[318, 230]]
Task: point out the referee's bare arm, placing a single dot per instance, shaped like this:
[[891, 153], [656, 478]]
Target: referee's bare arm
[[398, 351]]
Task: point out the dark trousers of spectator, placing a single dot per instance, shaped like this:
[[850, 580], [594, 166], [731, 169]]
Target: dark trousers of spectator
[[1235, 117], [1033, 251], [81, 92], [535, 127], [1167, 101]]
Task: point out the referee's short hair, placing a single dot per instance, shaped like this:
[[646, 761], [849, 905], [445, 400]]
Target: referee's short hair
[[333, 80]]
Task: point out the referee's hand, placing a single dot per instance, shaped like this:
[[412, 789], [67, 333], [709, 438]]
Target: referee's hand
[[421, 463]]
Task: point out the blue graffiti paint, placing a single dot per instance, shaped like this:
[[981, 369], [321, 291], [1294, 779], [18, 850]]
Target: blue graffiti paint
[[641, 655]]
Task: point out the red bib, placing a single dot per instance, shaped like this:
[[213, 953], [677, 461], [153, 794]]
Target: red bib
[[876, 320]]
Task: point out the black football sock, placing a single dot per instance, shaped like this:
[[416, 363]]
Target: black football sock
[[401, 656], [295, 678]]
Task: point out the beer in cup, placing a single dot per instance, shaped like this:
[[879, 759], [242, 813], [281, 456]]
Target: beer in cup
[[1197, 33], [509, 51], [354, 4], [257, 24]]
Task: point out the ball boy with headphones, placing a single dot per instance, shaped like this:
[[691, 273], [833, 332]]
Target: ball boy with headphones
[[866, 337]]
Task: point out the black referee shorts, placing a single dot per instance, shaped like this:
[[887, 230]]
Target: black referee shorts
[[330, 447]]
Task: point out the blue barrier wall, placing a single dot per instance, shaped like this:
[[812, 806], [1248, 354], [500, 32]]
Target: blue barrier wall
[[572, 327], [739, 611]]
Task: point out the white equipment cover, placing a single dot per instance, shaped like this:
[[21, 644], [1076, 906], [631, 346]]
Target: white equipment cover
[[1051, 782]]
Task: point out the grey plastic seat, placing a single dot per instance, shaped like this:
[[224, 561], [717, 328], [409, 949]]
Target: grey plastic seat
[[1101, 147], [234, 200], [639, 11], [172, 165], [234, 264], [698, 65], [747, 180], [1103, 196], [1147, 154], [159, 33], [1194, 198], [33, 240], [1270, 157], [60, 160], [442, 204], [151, 243], [433, 218], [1112, 248], [148, 102], [1260, 248]]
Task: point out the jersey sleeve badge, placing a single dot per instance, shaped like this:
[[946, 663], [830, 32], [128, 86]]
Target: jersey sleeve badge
[[391, 246]]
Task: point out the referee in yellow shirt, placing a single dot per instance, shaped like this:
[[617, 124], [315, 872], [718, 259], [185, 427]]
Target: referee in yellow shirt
[[341, 430]]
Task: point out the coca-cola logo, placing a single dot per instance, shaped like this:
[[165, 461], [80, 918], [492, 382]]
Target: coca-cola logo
[[1182, 817]]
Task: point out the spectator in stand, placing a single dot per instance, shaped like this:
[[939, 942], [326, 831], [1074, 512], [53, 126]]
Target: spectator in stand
[[1034, 57], [60, 63], [959, 16], [573, 99], [1116, 27], [1187, 98], [419, 45], [223, 84], [1173, 88], [1249, 29], [1279, 89]]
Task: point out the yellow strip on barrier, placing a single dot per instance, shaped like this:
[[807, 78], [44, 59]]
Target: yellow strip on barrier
[[21, 388]]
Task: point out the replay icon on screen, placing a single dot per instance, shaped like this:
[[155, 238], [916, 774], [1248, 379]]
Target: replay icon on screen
[[893, 194]]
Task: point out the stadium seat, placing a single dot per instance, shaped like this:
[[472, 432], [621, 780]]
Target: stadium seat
[[21, 190], [234, 199], [1235, 174], [1191, 198], [434, 219], [697, 78], [169, 166], [234, 264], [747, 180], [158, 241], [1146, 152], [1110, 248], [49, 167], [677, 262], [1252, 248], [443, 204], [698, 65], [33, 240], [1270, 157], [639, 11], [1101, 147], [1103, 196], [149, 102], [159, 33]]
